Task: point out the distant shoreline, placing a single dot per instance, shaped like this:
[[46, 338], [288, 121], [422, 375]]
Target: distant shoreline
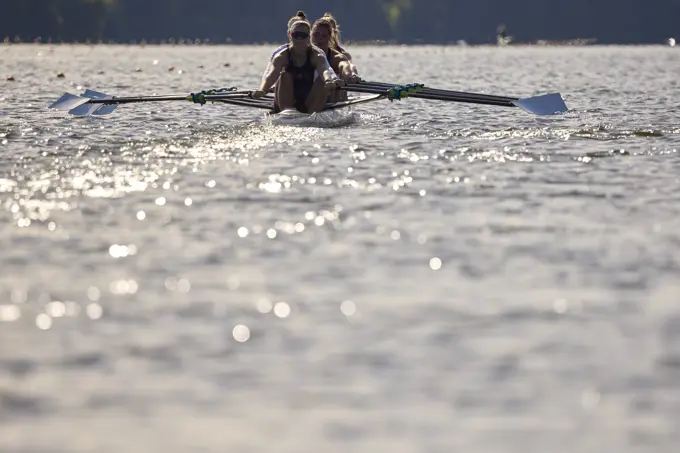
[[349, 44], [363, 43]]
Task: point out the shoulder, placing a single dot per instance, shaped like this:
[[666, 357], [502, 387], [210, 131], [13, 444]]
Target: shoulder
[[279, 49], [338, 56], [280, 55], [343, 51], [317, 52]]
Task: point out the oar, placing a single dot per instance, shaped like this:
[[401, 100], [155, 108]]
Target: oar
[[363, 100], [428, 90], [438, 97], [264, 103], [96, 103], [547, 104]]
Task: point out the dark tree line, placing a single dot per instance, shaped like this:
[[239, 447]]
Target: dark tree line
[[405, 21]]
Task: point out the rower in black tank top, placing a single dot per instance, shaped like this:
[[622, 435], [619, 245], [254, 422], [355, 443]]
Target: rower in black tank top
[[303, 79], [330, 54], [341, 95]]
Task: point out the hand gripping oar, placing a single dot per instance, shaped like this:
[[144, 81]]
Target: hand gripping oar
[[95, 103], [547, 104]]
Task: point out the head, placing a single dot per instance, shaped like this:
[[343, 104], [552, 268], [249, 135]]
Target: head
[[322, 34], [299, 30]]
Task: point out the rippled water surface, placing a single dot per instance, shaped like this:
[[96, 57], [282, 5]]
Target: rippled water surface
[[427, 277]]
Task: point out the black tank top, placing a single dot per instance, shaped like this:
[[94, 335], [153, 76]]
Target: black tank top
[[302, 74], [332, 53], [303, 80]]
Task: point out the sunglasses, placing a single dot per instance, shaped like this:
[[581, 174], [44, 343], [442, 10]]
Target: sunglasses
[[299, 35]]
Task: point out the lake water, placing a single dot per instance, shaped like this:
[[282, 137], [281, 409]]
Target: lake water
[[432, 277]]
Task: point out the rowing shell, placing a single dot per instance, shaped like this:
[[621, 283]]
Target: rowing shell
[[268, 103], [328, 117]]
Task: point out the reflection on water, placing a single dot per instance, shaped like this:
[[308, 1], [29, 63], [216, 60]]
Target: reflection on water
[[418, 275]]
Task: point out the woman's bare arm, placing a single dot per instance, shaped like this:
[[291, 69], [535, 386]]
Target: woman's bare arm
[[321, 65], [273, 73]]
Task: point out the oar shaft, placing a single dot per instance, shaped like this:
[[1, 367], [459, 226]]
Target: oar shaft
[[129, 100], [133, 99], [247, 102], [439, 91], [438, 97], [466, 99]]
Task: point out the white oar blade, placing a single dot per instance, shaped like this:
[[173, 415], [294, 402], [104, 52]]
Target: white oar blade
[[69, 101], [85, 109], [546, 104], [105, 109], [94, 94], [78, 105], [102, 109], [89, 109]]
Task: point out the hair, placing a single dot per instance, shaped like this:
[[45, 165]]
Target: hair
[[335, 31], [299, 18], [334, 23], [332, 31]]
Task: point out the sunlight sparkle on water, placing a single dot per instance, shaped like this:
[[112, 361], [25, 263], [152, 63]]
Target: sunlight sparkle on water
[[264, 305], [56, 309], [94, 311], [123, 287], [348, 308], [9, 313], [560, 306], [122, 251], [181, 285], [43, 321], [93, 293], [241, 333], [282, 310]]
